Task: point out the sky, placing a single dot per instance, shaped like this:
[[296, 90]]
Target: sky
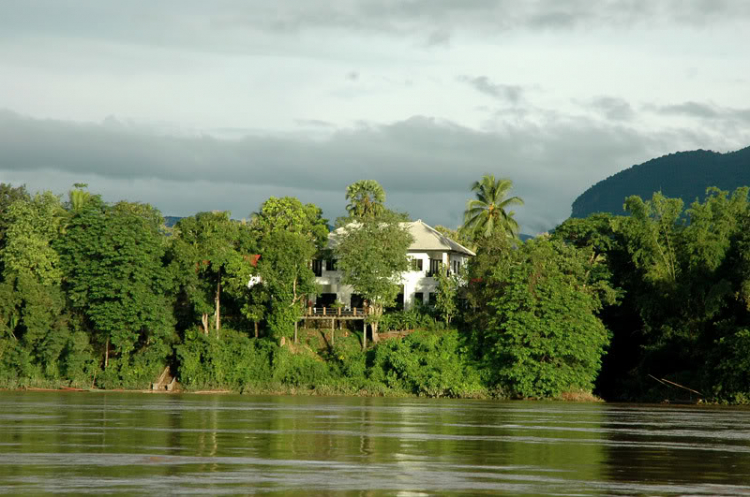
[[193, 106]]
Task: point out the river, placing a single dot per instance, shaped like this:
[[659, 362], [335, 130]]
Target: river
[[100, 443]]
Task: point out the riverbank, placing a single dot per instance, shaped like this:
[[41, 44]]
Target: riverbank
[[579, 397]]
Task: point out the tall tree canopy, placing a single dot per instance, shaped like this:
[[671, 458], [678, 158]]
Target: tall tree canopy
[[288, 214], [372, 255], [289, 235], [366, 199], [544, 335], [31, 300], [284, 267], [114, 274], [208, 252], [488, 212]]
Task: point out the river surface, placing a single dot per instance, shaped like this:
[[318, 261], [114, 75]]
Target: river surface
[[99, 443]]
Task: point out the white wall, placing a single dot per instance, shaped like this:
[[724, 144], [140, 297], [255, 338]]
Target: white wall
[[413, 281]]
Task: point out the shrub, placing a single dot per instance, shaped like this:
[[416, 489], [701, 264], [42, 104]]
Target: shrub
[[299, 370], [425, 363], [233, 361]]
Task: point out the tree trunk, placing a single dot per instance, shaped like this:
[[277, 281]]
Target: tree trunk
[[256, 329], [295, 333], [374, 325], [333, 331], [204, 322], [217, 313], [106, 354]]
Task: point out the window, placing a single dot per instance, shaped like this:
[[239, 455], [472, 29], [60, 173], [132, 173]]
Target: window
[[419, 298], [331, 264], [416, 265], [317, 267], [456, 266], [434, 267]]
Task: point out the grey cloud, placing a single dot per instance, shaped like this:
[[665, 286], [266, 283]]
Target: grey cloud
[[615, 109], [441, 37], [483, 84], [691, 109], [230, 24], [426, 165], [724, 116], [314, 123]]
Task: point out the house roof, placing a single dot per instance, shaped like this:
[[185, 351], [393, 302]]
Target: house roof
[[425, 238], [428, 238]]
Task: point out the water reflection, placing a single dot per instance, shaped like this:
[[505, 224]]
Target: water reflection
[[98, 443]]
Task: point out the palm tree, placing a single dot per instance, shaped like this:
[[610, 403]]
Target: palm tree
[[78, 196], [488, 214], [366, 198]]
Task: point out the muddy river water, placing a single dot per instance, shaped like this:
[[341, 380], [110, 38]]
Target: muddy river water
[[128, 443]]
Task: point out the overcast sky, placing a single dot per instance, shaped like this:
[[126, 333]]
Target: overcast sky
[[192, 105]]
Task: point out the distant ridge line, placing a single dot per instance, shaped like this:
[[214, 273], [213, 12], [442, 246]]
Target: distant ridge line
[[685, 175]]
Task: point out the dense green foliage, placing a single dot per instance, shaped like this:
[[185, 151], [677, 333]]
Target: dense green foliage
[[372, 256], [684, 175], [543, 336], [684, 314], [648, 306]]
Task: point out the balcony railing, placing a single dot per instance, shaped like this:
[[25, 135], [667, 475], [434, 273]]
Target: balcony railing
[[336, 312]]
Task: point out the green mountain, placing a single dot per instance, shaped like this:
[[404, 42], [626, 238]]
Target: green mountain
[[685, 175]]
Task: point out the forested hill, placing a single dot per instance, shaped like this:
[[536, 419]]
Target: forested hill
[[684, 174]]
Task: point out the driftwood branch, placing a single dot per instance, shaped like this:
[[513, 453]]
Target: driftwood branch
[[667, 383]]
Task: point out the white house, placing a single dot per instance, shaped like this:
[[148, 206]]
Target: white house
[[428, 250]]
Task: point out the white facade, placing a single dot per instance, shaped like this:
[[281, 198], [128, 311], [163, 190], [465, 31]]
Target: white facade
[[428, 249]]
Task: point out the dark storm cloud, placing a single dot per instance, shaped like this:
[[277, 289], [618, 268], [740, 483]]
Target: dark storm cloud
[[426, 165], [483, 84]]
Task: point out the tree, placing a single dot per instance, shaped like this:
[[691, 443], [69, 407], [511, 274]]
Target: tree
[[652, 235], [31, 300], [446, 297], [114, 275], [78, 197], [366, 199], [493, 257], [289, 235], [207, 255], [544, 333], [487, 213], [288, 214], [9, 195], [284, 267], [372, 255]]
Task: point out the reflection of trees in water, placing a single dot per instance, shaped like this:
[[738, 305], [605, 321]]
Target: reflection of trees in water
[[677, 445], [539, 447], [556, 436]]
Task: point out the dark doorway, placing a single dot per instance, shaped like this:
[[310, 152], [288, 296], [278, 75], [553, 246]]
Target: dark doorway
[[325, 300], [357, 301], [399, 302]]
